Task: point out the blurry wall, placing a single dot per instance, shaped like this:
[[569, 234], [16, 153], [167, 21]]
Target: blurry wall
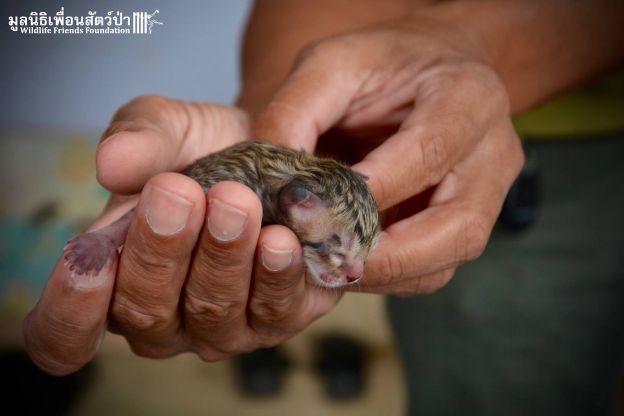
[[58, 93], [77, 81]]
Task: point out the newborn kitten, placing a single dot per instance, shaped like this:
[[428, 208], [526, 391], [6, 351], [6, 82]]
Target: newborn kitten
[[326, 204]]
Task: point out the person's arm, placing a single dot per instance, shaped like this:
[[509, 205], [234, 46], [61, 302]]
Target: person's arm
[[538, 48], [541, 48], [278, 29]]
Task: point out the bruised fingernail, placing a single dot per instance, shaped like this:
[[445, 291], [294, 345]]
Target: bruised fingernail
[[225, 222], [166, 213], [276, 260]]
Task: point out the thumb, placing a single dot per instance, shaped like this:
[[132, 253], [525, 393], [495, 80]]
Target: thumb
[[314, 97], [152, 134]]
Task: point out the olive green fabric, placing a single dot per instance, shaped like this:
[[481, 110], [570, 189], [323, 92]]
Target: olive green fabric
[[536, 325], [593, 110]]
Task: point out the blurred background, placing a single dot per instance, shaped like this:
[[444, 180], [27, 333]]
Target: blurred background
[[58, 94]]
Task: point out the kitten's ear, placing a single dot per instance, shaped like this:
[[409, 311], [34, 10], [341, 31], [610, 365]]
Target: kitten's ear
[[361, 175], [301, 204]]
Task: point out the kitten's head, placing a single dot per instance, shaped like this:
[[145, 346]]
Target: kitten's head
[[335, 216]]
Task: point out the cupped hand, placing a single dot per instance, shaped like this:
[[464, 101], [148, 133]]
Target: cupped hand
[[416, 105], [183, 280]]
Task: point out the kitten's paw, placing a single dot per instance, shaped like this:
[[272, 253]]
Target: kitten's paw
[[87, 253]]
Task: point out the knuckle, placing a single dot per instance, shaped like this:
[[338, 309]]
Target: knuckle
[[437, 282], [151, 350], [233, 346], [475, 233], [132, 317], [141, 103], [496, 92], [390, 269], [500, 99], [127, 118], [212, 351], [484, 82], [272, 340], [408, 289], [474, 81], [212, 356], [271, 310], [438, 77], [213, 312], [434, 154], [144, 111], [145, 99], [332, 53], [424, 285], [307, 53], [319, 49]]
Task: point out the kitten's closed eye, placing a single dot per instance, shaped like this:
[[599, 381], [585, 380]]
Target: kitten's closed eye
[[335, 238], [320, 246]]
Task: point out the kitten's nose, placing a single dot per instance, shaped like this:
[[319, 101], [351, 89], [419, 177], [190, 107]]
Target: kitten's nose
[[354, 270]]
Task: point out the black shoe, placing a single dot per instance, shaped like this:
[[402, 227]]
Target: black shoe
[[260, 372], [341, 364]]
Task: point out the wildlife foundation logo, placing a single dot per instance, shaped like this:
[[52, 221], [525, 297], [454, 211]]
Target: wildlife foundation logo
[[113, 22]]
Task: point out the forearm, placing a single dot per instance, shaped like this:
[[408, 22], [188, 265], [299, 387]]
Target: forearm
[[542, 48], [538, 48], [278, 29]]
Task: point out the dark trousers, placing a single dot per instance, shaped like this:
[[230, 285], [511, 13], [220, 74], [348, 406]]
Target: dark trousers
[[536, 325]]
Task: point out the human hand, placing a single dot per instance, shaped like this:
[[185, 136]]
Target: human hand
[[183, 281], [416, 104]]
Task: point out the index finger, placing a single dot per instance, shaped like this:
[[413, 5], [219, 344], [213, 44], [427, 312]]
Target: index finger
[[314, 97]]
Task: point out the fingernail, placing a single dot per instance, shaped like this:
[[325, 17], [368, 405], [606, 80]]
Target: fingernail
[[225, 222], [166, 212], [276, 260]]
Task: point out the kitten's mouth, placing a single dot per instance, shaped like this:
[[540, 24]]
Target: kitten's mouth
[[336, 278], [346, 275]]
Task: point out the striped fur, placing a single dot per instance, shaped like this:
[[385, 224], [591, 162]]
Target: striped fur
[[266, 169]]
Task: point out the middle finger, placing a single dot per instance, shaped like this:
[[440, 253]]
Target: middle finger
[[216, 293]]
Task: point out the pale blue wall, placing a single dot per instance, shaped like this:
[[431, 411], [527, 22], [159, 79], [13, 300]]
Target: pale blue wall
[[77, 81]]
